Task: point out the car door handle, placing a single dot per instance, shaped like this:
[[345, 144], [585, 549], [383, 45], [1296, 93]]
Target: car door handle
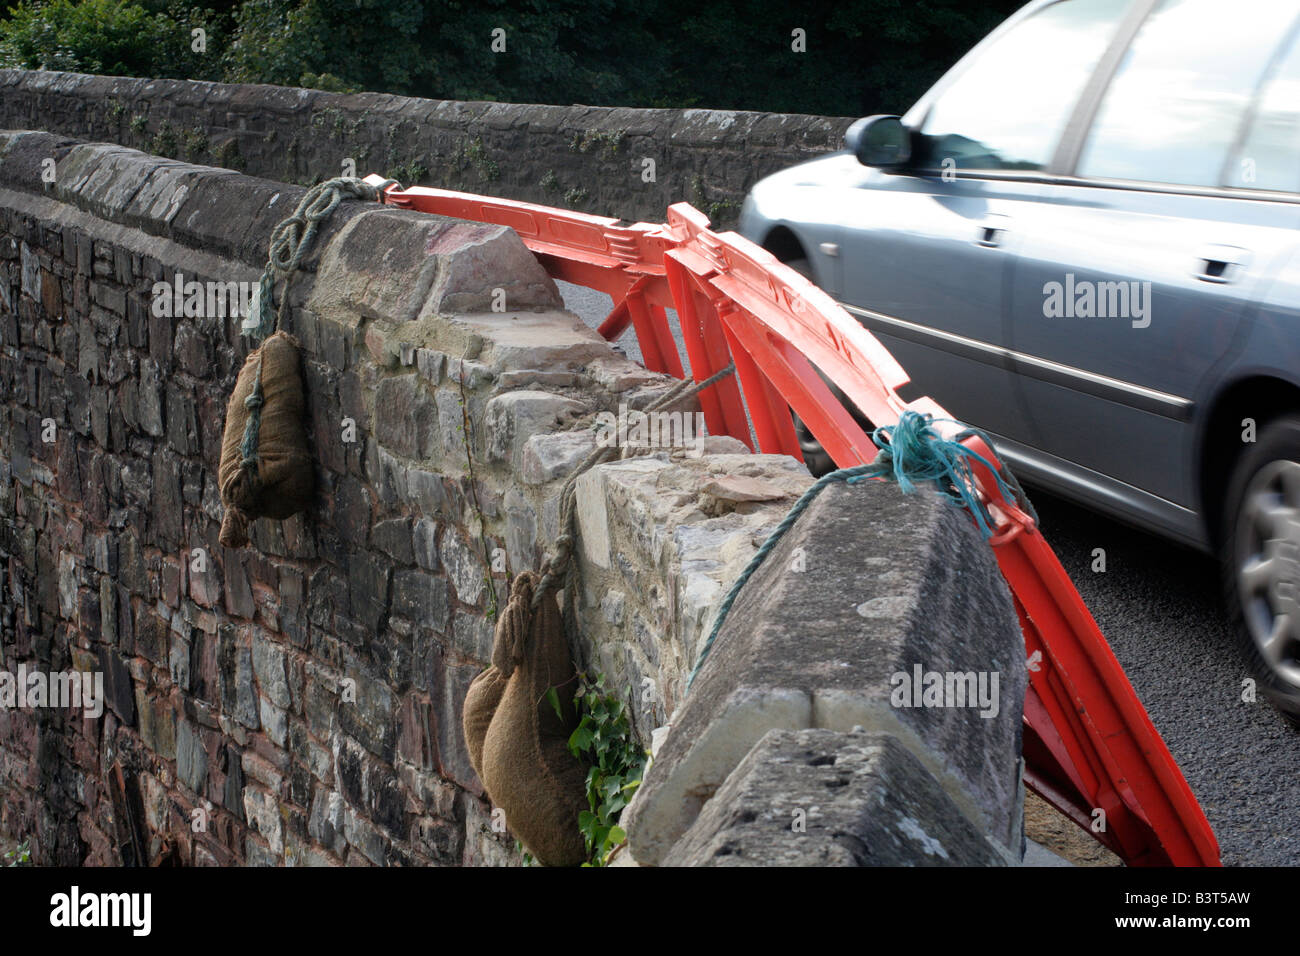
[[1221, 264], [992, 230]]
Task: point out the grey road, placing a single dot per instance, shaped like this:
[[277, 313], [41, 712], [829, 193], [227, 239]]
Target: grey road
[[1159, 607]]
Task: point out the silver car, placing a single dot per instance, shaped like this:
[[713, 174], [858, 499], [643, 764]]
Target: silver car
[[1084, 240]]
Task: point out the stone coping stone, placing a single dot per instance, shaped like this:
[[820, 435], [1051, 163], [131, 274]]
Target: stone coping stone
[[821, 798], [869, 586]]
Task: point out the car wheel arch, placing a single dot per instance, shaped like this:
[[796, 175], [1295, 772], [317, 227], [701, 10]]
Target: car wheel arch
[[784, 243], [1263, 397]]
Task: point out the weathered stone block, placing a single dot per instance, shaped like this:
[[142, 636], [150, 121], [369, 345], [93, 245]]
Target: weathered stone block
[[262, 811], [889, 583], [464, 565], [369, 719], [548, 457], [421, 598], [191, 758], [235, 667], [822, 798], [515, 417], [268, 665], [405, 417], [394, 539]]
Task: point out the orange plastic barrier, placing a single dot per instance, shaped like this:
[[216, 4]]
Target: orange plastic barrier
[[1090, 749]]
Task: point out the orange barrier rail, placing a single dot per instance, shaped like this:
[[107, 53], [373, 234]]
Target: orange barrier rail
[[1090, 748]]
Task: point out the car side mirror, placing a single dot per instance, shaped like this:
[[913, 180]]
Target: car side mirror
[[881, 141]]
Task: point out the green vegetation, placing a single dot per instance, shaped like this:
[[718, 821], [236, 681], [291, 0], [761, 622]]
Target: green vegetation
[[608, 142], [474, 154], [408, 173], [861, 56], [116, 37], [165, 142], [604, 740], [21, 855], [194, 143], [715, 209]]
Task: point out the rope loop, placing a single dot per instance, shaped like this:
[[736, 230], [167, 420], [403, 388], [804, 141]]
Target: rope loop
[[292, 239]]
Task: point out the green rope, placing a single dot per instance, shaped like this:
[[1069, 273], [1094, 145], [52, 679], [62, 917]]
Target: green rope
[[911, 452], [290, 242], [254, 402]]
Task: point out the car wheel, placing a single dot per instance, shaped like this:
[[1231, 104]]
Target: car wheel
[[1261, 560], [815, 456]]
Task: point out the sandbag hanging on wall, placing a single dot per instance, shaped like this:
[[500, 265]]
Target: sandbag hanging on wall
[[266, 471], [517, 743]]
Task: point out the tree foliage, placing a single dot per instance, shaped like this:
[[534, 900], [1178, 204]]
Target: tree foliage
[[113, 37], [860, 56]]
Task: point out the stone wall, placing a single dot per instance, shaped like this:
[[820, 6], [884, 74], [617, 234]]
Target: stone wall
[[583, 157], [298, 701], [303, 693]]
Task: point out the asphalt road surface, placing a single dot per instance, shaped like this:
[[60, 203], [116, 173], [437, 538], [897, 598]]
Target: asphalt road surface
[[1159, 606]]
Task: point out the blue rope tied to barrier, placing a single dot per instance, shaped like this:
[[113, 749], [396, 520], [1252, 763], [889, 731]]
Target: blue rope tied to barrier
[[914, 452], [911, 453]]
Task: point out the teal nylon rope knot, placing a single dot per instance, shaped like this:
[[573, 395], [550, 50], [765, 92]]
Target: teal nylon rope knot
[[912, 452], [290, 242]]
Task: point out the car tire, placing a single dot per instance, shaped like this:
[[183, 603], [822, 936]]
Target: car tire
[[1261, 560], [815, 456]]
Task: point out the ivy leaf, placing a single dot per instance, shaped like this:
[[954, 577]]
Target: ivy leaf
[[581, 738], [554, 698]]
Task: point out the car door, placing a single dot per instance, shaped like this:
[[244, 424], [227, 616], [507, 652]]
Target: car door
[[926, 253], [1137, 266]]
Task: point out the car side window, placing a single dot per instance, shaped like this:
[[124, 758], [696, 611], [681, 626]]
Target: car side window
[[1269, 156], [1008, 108], [1176, 104]]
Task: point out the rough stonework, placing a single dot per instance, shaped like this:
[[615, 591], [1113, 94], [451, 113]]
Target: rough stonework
[[581, 157], [302, 695], [822, 798], [298, 701], [869, 583]]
